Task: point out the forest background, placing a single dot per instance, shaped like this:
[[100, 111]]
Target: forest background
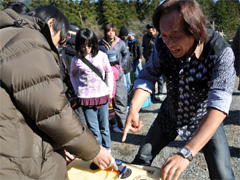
[[221, 15]]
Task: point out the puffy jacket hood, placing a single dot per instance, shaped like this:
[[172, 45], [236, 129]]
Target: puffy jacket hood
[[9, 18]]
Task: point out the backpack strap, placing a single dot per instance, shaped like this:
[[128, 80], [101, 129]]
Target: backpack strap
[[92, 67]]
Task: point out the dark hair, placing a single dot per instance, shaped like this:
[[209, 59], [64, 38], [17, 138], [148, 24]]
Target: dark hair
[[88, 35], [191, 13], [18, 7], [123, 32], [108, 27], [114, 63], [149, 26], [47, 12]]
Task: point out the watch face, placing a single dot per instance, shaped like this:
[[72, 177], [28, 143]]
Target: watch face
[[185, 152]]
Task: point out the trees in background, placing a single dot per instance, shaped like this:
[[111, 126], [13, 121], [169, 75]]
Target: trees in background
[[228, 17], [221, 15]]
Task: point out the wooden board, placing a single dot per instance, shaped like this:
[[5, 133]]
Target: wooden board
[[80, 170]]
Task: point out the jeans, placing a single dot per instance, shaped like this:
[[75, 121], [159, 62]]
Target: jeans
[[160, 86], [97, 122], [137, 67], [81, 116], [127, 81], [216, 151]]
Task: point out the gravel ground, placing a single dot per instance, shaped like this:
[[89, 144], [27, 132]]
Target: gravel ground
[[197, 170]]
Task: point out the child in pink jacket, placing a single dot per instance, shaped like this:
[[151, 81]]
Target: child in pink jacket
[[119, 94]]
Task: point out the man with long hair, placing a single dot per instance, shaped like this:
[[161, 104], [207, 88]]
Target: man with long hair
[[198, 66]]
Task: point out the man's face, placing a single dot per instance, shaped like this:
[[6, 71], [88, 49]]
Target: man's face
[[152, 32], [174, 35], [57, 39], [111, 34], [131, 37], [125, 37]]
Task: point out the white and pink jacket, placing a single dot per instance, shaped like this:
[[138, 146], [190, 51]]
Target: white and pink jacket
[[89, 87]]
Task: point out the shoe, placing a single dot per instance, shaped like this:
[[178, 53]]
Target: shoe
[[160, 97], [93, 166], [116, 128]]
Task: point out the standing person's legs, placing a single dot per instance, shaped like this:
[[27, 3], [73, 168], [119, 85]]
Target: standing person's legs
[[139, 67], [135, 70], [160, 88], [104, 126], [217, 155], [151, 145], [120, 106], [91, 116], [160, 85], [127, 81]]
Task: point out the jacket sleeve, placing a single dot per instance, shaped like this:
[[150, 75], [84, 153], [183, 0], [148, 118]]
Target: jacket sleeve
[[109, 73], [124, 52], [38, 92], [140, 50], [222, 81]]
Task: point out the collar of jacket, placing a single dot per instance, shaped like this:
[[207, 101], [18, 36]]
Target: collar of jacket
[[132, 41], [152, 37], [215, 42], [116, 40]]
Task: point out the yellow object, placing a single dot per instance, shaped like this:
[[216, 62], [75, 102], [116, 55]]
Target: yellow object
[[79, 169]]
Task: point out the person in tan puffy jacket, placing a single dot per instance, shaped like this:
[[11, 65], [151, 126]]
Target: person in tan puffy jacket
[[36, 120]]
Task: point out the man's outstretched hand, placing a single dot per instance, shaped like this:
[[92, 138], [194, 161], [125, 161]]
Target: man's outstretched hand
[[133, 124]]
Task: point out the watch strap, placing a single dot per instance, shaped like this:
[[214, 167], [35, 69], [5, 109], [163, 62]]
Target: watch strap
[[188, 157]]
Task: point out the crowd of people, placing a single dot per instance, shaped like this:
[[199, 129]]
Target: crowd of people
[[58, 81]]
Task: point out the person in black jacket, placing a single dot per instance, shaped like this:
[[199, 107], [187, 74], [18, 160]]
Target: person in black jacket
[[127, 68], [148, 42], [135, 47]]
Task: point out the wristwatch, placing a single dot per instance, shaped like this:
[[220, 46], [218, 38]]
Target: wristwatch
[[186, 153]]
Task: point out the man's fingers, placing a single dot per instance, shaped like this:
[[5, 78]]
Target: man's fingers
[[132, 128], [176, 175], [140, 125], [126, 129], [115, 166], [164, 170], [170, 173]]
